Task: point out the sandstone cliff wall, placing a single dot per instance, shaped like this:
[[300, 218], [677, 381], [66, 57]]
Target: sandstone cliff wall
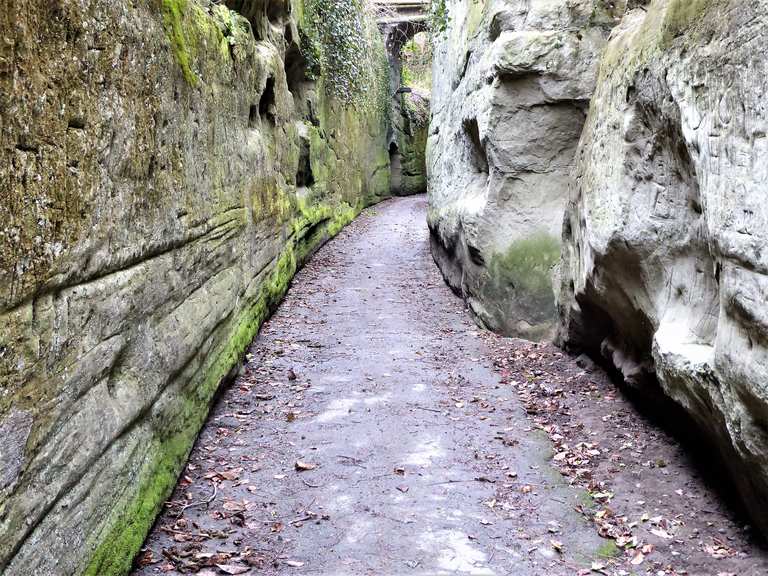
[[665, 271], [165, 166], [410, 113], [511, 88], [412, 145]]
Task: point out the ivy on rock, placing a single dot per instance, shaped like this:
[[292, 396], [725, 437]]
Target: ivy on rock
[[336, 42]]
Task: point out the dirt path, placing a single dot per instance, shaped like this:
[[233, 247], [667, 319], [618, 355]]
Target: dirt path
[[371, 434]]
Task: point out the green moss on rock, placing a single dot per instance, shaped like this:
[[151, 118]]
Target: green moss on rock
[[189, 26], [523, 273], [608, 550], [681, 15], [173, 21], [166, 455], [200, 190], [337, 37]]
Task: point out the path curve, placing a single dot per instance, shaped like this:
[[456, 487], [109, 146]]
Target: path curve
[[396, 403]]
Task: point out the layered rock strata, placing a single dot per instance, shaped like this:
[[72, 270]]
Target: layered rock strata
[[165, 167]]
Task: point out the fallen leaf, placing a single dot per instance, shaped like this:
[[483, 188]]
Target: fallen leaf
[[232, 569], [234, 506], [231, 474], [146, 559]]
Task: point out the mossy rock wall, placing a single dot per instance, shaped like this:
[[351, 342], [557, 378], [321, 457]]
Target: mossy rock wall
[[165, 167], [412, 144]]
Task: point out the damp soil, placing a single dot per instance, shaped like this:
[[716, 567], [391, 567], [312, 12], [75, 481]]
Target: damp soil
[[375, 430]]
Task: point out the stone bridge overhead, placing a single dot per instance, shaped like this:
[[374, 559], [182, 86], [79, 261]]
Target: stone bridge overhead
[[401, 10], [400, 20]]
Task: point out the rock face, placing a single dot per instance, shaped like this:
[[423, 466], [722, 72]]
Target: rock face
[[665, 272], [408, 146], [410, 111], [412, 145], [165, 166], [511, 87]]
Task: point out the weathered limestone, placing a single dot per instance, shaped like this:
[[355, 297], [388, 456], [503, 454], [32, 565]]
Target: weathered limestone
[[665, 271], [165, 166], [511, 86]]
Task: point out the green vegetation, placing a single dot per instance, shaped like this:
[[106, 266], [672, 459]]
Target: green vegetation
[[337, 36], [173, 14], [438, 17], [525, 269], [663, 24], [154, 483], [682, 14], [345, 55], [188, 26], [416, 57], [519, 279], [586, 500]]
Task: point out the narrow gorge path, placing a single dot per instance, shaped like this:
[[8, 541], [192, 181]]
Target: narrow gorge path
[[370, 433]]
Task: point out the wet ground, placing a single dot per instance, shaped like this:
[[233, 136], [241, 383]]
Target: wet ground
[[376, 431]]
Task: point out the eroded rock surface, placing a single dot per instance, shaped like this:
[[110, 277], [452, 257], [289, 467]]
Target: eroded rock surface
[[164, 168], [410, 110], [665, 272], [412, 146], [512, 82]]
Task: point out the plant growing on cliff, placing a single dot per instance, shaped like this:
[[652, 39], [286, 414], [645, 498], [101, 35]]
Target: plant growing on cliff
[[416, 56], [438, 17], [338, 41]]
